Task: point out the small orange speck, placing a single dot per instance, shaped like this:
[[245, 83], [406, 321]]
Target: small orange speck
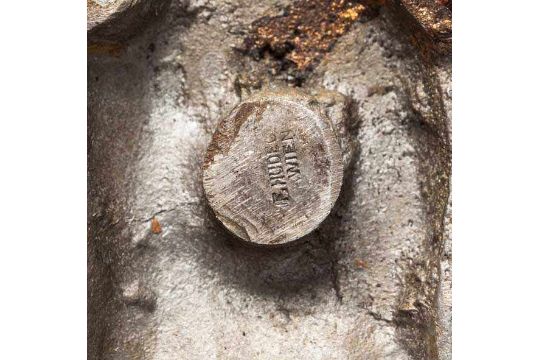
[[155, 226], [360, 264]]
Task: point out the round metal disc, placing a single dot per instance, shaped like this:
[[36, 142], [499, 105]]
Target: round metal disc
[[274, 168]]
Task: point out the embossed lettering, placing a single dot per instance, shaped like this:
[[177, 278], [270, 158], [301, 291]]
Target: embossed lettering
[[282, 165]]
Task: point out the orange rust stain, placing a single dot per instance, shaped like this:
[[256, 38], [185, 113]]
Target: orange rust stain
[[352, 13], [155, 226], [360, 264], [307, 30], [432, 25]]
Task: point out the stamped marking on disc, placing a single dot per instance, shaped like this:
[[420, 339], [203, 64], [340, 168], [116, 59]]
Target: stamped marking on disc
[[274, 168]]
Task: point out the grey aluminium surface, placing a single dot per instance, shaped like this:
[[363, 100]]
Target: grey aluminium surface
[[367, 284]]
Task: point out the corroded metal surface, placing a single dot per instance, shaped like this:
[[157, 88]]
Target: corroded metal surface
[[274, 168], [166, 281], [303, 32], [429, 22]]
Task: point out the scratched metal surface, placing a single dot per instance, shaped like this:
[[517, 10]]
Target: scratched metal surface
[[367, 284], [274, 167]]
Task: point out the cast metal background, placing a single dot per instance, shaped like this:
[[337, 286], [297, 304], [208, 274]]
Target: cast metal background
[[374, 282]]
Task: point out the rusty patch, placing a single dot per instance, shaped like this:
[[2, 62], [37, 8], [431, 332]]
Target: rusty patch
[[433, 19], [447, 3], [360, 264], [155, 226], [306, 30]]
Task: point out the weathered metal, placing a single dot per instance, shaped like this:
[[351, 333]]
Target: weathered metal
[[274, 168], [166, 281]]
